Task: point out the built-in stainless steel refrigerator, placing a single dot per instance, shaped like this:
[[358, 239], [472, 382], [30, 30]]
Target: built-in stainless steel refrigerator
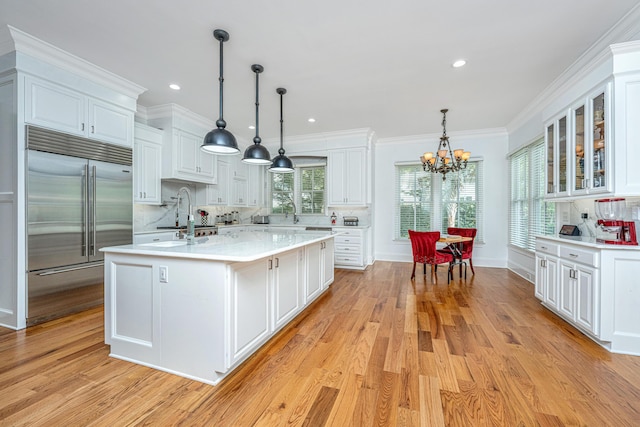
[[79, 199]]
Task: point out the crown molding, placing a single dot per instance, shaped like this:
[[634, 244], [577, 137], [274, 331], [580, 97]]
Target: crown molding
[[177, 112], [597, 54], [24, 43], [458, 136]]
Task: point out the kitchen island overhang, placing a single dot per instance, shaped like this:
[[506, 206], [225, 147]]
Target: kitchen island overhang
[[200, 310]]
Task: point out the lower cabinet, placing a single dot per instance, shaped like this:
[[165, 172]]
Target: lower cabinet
[[349, 248], [320, 265], [568, 281]]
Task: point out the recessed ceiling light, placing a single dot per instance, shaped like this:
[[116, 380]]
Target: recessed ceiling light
[[252, 127], [459, 63], [174, 86], [311, 120]]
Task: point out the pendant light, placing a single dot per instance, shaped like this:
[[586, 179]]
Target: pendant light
[[257, 154], [281, 163], [220, 140]]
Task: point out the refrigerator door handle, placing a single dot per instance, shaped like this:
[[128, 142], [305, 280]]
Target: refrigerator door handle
[[67, 269], [94, 226], [85, 213]]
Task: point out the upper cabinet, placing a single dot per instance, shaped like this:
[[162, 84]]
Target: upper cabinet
[[147, 155], [184, 132], [346, 177], [592, 135], [57, 107]]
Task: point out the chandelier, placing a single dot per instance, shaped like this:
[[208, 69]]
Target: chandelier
[[445, 160]]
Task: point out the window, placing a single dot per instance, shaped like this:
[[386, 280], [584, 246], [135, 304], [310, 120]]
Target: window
[[281, 193], [304, 187], [312, 190], [529, 213], [426, 202]]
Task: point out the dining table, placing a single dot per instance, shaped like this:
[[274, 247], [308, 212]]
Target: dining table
[[454, 243]]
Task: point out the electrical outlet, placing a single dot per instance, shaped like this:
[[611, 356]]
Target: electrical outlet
[[164, 274]]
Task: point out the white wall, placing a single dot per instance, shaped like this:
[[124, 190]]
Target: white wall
[[489, 146]]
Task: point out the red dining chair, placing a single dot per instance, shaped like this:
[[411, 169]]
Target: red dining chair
[[423, 244], [466, 247]]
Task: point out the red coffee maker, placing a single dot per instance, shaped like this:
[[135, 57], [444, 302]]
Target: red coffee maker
[[612, 228]]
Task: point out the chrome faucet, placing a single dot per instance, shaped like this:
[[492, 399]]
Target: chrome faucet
[[190, 220], [295, 216]]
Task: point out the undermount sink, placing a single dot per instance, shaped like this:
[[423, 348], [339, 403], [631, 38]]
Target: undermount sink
[[318, 228], [166, 244]]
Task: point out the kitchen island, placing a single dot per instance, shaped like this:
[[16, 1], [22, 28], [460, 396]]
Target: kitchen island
[[200, 310]]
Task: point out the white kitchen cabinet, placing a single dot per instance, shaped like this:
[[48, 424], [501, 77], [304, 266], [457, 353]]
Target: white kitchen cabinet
[[249, 309], [265, 295], [288, 277], [602, 128], [255, 186], [57, 107], [191, 163], [328, 262], [579, 282], [346, 177], [147, 163], [218, 194], [184, 132], [557, 159], [576, 271], [349, 248], [238, 191], [320, 269], [546, 282]]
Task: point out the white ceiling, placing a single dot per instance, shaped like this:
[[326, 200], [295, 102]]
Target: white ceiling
[[349, 64]]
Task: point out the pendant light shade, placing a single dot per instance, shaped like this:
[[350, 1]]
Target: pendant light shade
[[281, 163], [257, 154], [220, 140]]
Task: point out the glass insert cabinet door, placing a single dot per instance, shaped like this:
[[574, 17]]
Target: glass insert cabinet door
[[599, 176], [550, 159], [557, 161], [580, 166], [562, 155]]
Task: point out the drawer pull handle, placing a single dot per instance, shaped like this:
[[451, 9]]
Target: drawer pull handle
[[574, 255], [543, 247]]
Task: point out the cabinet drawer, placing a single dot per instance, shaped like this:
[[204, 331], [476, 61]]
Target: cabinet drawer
[[348, 240], [343, 259], [547, 247], [348, 249], [581, 256]]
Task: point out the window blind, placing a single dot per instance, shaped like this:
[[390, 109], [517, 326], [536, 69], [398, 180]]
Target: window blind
[[426, 202], [312, 181], [529, 213], [413, 200]]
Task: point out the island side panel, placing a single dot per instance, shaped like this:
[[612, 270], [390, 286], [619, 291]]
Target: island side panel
[[182, 319]]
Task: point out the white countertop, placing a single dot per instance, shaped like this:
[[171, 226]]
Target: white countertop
[[242, 246], [588, 242]]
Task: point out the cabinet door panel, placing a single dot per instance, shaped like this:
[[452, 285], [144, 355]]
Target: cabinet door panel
[[249, 307], [287, 301], [567, 290], [187, 150], [586, 301], [551, 297], [314, 283], [110, 123], [54, 107]]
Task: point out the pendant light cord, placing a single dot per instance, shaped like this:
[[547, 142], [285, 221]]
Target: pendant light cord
[[257, 138]]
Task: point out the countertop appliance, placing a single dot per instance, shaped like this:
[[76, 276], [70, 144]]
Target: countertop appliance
[[79, 200], [260, 219], [612, 228], [350, 220]]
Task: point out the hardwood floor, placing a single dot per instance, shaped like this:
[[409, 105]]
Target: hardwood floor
[[377, 349]]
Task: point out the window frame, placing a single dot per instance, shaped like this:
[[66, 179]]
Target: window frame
[[435, 204], [297, 190]]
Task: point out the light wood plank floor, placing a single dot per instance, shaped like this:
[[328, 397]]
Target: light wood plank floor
[[377, 349]]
